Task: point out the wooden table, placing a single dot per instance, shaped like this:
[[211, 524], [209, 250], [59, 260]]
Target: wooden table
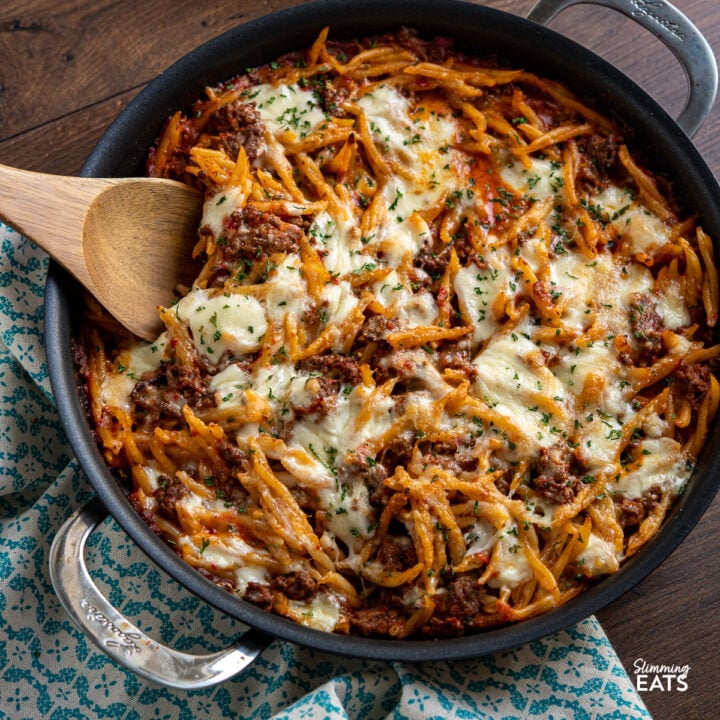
[[67, 67]]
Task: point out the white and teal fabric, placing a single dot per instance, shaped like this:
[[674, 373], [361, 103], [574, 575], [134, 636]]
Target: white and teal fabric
[[49, 670]]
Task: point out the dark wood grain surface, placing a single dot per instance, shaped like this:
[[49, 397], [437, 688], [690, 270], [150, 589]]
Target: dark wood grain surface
[[67, 67]]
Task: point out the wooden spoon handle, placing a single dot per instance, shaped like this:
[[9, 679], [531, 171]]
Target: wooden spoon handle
[[50, 210]]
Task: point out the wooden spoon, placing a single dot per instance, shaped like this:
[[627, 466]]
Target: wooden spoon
[[127, 240]]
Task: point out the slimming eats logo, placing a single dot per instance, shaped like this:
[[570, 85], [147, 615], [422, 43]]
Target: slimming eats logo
[[665, 678]]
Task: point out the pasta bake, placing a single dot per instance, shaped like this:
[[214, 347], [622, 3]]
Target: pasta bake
[[448, 360]]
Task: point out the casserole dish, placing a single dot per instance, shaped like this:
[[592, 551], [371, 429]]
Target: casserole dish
[[122, 152]]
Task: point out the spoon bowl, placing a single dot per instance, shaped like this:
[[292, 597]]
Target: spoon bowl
[[128, 241]]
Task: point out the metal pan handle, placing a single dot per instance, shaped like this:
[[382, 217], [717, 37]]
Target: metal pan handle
[[677, 32], [115, 635]]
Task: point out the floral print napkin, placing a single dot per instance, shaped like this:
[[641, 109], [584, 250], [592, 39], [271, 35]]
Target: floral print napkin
[[49, 669]]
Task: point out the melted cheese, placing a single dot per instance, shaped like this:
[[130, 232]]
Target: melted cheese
[[287, 109], [139, 359], [339, 242], [229, 386], [480, 538], [599, 557], [286, 290], [412, 139], [350, 515], [477, 290], [217, 207], [643, 231], [662, 465], [542, 180], [510, 381], [339, 301], [672, 307], [512, 563], [222, 323], [321, 613]]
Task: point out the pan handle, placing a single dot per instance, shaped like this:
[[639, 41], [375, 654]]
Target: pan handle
[[677, 32], [115, 635]]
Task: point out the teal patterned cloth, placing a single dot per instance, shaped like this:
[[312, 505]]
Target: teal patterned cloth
[[49, 669]]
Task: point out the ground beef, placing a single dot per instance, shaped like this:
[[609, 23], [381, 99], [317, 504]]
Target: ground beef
[[238, 124], [379, 620], [454, 455], [252, 235], [443, 627], [296, 586], [458, 356], [223, 582], [464, 598], [598, 161], [377, 328], [433, 260], [175, 165], [340, 367], [692, 383], [436, 50], [146, 397], [555, 479], [633, 512], [164, 392], [646, 327], [170, 490], [260, 595], [148, 516], [234, 456], [225, 483], [333, 93], [373, 474], [504, 481], [396, 553], [603, 152], [324, 392], [398, 451], [551, 114], [187, 381]]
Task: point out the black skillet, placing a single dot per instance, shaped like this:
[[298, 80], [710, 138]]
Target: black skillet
[[122, 151]]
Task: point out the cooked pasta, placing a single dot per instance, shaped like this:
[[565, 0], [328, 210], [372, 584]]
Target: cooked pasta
[[448, 358]]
